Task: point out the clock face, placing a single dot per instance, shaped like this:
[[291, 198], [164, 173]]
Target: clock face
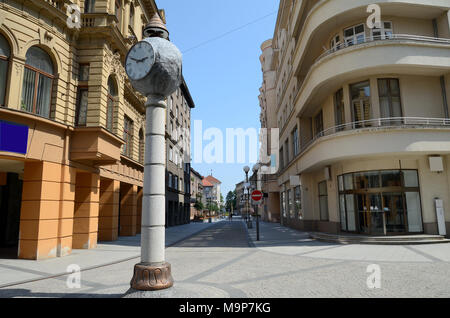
[[139, 60]]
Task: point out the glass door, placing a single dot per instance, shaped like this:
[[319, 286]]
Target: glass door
[[370, 214], [394, 208]]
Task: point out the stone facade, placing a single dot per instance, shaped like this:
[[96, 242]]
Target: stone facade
[[80, 176]]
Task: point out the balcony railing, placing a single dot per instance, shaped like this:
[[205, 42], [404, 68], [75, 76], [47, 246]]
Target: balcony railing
[[391, 37], [385, 123]]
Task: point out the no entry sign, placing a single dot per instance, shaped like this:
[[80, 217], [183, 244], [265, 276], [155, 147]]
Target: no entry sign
[[257, 195]]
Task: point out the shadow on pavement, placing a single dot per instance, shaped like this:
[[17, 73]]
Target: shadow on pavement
[[223, 234], [25, 293]]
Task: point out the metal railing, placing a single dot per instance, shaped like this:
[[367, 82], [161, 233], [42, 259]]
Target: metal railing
[[385, 123], [391, 37]]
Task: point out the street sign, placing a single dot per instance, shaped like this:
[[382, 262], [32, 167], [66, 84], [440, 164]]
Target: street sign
[[257, 195]]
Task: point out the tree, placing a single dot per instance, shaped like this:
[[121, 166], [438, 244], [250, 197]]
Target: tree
[[230, 200]]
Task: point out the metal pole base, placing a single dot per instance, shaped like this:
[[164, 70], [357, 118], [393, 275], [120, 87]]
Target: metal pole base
[[151, 277]]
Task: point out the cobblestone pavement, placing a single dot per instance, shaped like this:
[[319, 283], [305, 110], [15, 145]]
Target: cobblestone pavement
[[226, 261]]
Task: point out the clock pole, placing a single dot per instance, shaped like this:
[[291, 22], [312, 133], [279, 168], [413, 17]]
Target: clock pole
[[153, 273]]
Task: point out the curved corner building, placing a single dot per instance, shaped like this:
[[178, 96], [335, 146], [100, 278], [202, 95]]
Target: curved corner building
[[363, 114]]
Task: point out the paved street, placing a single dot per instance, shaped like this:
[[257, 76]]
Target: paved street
[[225, 261]]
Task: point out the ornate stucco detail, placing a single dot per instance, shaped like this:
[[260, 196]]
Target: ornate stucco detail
[[114, 63]]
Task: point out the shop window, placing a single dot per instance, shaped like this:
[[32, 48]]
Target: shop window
[[298, 202]]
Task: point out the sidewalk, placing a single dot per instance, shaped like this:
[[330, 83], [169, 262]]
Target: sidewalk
[[277, 239], [17, 271]]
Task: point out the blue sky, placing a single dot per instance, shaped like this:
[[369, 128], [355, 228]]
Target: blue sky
[[223, 75]]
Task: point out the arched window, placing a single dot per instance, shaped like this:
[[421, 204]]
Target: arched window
[[5, 53], [112, 95], [37, 82]]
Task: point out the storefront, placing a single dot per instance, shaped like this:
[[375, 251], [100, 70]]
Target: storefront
[[385, 202]]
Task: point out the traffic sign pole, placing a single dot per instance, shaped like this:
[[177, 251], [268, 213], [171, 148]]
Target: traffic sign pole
[[257, 196]]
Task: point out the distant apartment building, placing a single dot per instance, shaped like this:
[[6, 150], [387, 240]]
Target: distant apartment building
[[211, 191], [71, 169], [270, 207], [196, 192], [178, 130], [363, 115]]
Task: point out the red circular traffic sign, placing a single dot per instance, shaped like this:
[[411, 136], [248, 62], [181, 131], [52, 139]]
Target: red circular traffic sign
[[257, 195]]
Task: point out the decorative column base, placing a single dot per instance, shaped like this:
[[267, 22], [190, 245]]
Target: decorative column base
[[151, 277]]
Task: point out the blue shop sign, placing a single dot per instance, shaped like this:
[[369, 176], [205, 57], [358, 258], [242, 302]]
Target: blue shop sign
[[13, 137]]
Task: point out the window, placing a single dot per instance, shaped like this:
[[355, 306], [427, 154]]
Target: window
[[82, 95], [83, 72], [128, 136], [290, 204], [323, 201], [170, 180], [286, 149], [339, 108], [295, 142], [170, 153], [318, 124], [360, 94], [89, 6], [383, 33], [37, 82], [118, 10], [281, 158], [131, 20], [355, 35], [5, 53], [390, 102], [380, 202], [82, 106], [111, 98], [298, 202], [335, 43], [283, 204], [175, 182], [141, 146]]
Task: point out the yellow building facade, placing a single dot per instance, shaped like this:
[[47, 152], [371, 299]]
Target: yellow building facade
[[363, 113], [73, 127]]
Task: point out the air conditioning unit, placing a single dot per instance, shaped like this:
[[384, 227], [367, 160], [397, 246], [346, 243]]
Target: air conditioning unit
[[436, 164]]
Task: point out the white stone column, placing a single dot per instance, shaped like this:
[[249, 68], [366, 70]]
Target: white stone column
[[154, 201]]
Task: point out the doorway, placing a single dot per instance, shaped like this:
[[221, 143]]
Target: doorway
[[10, 204], [383, 202]]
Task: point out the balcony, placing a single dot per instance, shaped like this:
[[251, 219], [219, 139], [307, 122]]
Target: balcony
[[95, 146], [400, 54], [396, 136], [399, 38]]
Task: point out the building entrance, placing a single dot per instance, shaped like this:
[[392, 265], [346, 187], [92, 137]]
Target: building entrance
[[386, 202], [10, 203]]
